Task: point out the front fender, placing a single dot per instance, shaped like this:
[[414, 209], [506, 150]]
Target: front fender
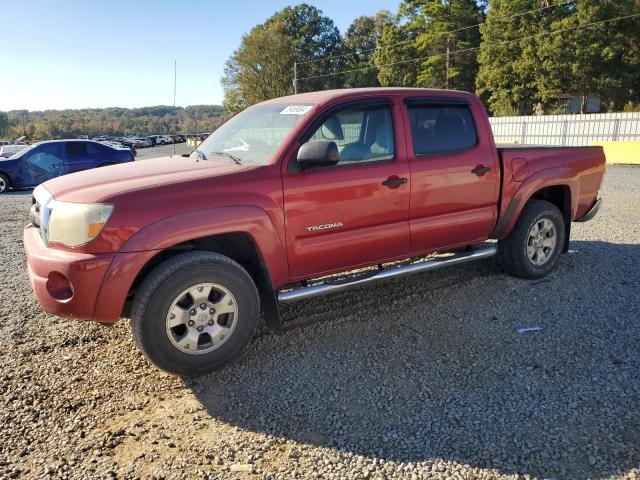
[[516, 195], [12, 170], [180, 228]]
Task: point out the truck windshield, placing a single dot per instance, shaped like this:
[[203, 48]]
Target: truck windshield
[[254, 134]]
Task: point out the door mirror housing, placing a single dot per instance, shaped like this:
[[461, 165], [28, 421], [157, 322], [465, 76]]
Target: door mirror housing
[[318, 153]]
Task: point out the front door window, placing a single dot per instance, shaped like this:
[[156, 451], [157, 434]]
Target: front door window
[[46, 162]]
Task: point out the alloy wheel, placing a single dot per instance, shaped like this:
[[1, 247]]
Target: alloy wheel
[[541, 241], [201, 318]]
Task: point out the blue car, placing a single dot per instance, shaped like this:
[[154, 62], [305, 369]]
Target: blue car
[[45, 160]]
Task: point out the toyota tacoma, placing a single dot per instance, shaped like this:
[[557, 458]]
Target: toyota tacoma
[[286, 195]]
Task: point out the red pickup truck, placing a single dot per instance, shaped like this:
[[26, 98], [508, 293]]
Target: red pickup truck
[[291, 190]]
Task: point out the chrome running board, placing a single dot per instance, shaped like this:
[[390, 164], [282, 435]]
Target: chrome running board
[[295, 294]]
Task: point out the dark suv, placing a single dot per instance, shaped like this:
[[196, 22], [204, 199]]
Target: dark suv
[[45, 160]]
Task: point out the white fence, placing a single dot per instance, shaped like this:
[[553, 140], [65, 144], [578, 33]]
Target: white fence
[[568, 130]]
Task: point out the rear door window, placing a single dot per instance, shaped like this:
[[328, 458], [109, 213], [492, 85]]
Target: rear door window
[[76, 151], [441, 128], [95, 150]]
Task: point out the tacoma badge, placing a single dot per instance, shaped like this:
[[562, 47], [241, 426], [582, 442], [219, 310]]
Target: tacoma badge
[[326, 226]]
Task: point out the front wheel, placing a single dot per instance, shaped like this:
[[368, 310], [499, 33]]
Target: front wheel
[[533, 247], [5, 183], [195, 313]]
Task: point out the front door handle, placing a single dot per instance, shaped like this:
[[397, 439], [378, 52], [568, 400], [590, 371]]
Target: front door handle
[[394, 181], [480, 170]]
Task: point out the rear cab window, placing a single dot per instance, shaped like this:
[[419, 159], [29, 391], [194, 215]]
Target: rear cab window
[[441, 127]]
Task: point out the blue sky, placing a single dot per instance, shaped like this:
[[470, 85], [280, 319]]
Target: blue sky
[[74, 54]]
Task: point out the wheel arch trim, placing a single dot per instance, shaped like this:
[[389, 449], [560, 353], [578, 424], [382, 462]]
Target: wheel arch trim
[[4, 173], [552, 177], [147, 243]]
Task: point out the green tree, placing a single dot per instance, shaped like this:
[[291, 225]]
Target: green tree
[[510, 54], [160, 119], [260, 69], [359, 44], [437, 48], [4, 124], [313, 36], [601, 60]]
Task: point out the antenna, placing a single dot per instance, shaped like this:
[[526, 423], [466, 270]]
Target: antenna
[[175, 81]]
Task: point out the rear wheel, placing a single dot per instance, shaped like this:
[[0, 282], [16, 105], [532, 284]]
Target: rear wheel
[[195, 313], [5, 183], [533, 247]]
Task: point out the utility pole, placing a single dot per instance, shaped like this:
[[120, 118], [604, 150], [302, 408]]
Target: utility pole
[[175, 81], [447, 64], [295, 77]]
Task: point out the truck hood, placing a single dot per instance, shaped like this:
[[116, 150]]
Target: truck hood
[[100, 184]]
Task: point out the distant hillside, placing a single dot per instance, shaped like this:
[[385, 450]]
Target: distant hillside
[[161, 119]]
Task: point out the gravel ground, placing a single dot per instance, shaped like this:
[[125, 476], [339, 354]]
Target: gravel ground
[[423, 377]]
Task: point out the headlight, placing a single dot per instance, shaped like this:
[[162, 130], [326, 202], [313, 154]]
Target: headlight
[[74, 224]]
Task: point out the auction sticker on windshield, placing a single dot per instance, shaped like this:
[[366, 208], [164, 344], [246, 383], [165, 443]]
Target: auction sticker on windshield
[[296, 109]]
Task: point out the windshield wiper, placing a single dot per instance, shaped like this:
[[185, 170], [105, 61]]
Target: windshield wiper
[[237, 160], [200, 154]]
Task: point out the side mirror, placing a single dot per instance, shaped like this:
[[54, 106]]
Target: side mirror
[[318, 153]]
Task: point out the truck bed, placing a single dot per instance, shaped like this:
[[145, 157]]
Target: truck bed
[[581, 167]]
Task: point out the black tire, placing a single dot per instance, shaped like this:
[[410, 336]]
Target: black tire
[[512, 250], [5, 183], [160, 289]]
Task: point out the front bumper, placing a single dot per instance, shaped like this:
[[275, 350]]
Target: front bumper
[[65, 283], [593, 211]]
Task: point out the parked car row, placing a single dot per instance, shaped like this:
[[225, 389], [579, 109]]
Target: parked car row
[[43, 161], [144, 141], [137, 142]]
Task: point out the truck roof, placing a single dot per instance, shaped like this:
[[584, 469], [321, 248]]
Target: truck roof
[[325, 95]]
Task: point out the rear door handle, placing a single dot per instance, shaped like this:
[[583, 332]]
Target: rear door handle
[[480, 170], [394, 181]]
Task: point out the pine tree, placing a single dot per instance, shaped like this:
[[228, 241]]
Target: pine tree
[[393, 58], [450, 59], [439, 49]]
